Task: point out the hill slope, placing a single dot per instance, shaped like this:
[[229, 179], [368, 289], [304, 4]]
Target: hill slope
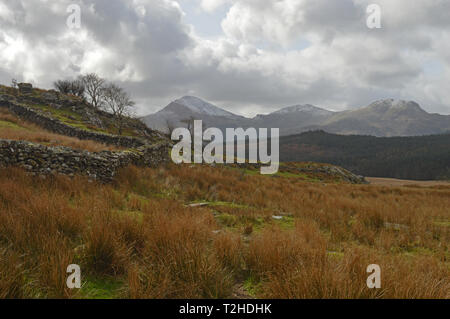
[[74, 112], [419, 158], [45, 132]]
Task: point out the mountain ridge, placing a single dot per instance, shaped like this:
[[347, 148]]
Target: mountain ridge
[[382, 118]]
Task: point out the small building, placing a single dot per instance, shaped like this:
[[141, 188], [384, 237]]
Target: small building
[[25, 88]]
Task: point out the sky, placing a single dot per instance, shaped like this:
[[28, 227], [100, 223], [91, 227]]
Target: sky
[[247, 56]]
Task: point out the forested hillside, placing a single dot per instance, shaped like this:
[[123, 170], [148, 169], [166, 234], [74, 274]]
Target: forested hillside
[[419, 158]]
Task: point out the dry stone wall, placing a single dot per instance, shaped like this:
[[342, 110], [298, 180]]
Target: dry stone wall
[[42, 160]]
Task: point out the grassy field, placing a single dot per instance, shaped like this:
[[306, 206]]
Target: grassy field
[[13, 128], [140, 237], [401, 182]]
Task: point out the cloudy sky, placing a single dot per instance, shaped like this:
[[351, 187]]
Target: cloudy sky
[[247, 56]]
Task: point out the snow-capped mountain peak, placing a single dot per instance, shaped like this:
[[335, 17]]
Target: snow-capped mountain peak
[[392, 104], [382, 118], [199, 106], [307, 108]]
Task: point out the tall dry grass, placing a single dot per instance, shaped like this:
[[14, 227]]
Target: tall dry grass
[[139, 233]]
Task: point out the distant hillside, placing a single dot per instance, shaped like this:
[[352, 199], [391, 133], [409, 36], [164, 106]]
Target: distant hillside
[[418, 158]]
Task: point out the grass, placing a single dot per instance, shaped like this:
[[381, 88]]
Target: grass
[[9, 125], [101, 288], [443, 223], [68, 117], [138, 238], [252, 286], [286, 223], [305, 171], [13, 128]]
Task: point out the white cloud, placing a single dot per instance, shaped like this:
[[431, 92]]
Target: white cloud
[[257, 64], [212, 5]]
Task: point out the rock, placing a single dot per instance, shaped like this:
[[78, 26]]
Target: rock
[[285, 214], [90, 118], [396, 226], [51, 98], [277, 217], [7, 98], [198, 204]]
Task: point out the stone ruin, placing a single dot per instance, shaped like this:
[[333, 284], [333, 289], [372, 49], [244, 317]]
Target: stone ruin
[[25, 88]]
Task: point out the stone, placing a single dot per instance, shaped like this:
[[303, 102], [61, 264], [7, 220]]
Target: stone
[[396, 226], [63, 160], [50, 97], [198, 204], [7, 98]]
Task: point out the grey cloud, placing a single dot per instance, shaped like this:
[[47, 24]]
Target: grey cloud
[[158, 57]]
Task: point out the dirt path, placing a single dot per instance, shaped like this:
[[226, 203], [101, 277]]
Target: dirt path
[[401, 182]]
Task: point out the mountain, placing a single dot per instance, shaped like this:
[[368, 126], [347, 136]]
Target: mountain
[[382, 118], [177, 112], [386, 118], [293, 119], [196, 105]]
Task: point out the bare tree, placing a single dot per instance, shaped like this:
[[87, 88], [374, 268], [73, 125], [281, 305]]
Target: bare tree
[[63, 86], [118, 102], [75, 87], [94, 85]]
